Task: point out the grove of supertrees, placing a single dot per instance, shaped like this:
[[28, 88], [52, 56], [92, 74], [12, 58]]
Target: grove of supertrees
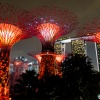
[[12, 30], [50, 24]]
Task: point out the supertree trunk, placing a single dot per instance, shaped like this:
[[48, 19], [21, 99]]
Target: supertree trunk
[[4, 73], [48, 46], [47, 65]]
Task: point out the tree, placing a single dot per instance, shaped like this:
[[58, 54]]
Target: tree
[[27, 84], [49, 88], [80, 81]]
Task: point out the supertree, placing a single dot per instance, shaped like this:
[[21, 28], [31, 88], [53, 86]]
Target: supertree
[[50, 24], [11, 31], [44, 58], [58, 58], [90, 31]]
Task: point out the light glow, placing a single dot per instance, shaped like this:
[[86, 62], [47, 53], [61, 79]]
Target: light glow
[[17, 63], [59, 58], [9, 34], [98, 36], [38, 57], [48, 30]]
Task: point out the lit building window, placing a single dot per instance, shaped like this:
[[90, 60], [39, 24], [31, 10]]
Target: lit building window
[[78, 46], [57, 48]]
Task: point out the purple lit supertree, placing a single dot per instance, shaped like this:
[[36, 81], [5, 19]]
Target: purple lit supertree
[[50, 24], [11, 31]]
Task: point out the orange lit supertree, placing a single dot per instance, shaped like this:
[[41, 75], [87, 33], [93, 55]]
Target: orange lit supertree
[[11, 31], [51, 23]]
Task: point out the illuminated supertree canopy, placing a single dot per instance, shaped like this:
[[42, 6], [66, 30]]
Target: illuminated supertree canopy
[[9, 34], [48, 31], [11, 31], [36, 55], [51, 23], [90, 31], [49, 62], [59, 58]]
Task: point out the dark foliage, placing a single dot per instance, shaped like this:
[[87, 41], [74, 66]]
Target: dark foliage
[[27, 85], [49, 88], [80, 80]]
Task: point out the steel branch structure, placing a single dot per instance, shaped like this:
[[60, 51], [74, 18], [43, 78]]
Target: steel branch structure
[[11, 31]]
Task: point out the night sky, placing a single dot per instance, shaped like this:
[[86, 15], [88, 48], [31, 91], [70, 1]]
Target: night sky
[[84, 9]]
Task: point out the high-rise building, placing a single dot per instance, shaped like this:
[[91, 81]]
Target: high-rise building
[[76, 45]]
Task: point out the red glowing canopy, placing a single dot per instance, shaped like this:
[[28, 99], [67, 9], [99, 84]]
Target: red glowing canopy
[[48, 30], [91, 30], [52, 22], [9, 34], [12, 28]]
